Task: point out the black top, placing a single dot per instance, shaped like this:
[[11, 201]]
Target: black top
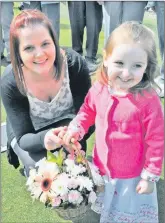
[[19, 123]]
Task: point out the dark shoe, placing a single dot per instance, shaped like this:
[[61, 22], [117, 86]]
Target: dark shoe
[[21, 7], [2, 56], [23, 172], [97, 60], [91, 65]]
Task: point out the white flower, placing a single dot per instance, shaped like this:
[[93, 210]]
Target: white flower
[[97, 178], [74, 169], [59, 185], [92, 197], [44, 197], [49, 167], [85, 182], [69, 162], [40, 162], [78, 169], [31, 178], [73, 183], [75, 197]]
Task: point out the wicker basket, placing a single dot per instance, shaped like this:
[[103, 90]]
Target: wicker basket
[[73, 213]]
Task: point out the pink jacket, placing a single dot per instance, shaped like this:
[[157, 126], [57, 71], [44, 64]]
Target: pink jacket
[[129, 132]]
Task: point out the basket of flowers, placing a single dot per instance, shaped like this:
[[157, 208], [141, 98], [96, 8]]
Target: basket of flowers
[[67, 184]]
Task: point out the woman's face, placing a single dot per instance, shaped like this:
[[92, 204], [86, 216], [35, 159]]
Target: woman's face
[[37, 50]]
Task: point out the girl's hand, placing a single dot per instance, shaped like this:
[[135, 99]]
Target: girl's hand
[[145, 187], [52, 140], [70, 139]]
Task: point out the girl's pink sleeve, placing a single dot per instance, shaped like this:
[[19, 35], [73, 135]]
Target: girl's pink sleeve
[[86, 115], [153, 122]]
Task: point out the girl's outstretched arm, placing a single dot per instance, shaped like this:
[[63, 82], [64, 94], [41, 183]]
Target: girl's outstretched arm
[[85, 118]]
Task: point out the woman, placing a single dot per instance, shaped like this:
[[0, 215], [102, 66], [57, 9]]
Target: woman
[[43, 88]]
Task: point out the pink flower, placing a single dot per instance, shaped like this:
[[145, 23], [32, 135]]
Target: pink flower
[[75, 197], [73, 184], [56, 202], [41, 188], [64, 197], [46, 184]]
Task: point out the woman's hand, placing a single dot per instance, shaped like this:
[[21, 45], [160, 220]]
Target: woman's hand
[[52, 140], [145, 187]]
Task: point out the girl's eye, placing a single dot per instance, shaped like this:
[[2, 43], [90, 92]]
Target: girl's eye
[[137, 65], [119, 63]]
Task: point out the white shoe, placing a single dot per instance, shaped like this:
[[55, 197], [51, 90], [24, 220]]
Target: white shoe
[[160, 82]]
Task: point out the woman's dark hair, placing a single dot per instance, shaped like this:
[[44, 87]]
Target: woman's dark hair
[[30, 18]]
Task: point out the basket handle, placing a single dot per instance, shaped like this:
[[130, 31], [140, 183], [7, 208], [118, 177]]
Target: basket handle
[[85, 161]]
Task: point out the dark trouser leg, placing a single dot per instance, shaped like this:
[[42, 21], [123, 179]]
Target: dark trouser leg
[[35, 5], [52, 11], [77, 22], [112, 17], [94, 17], [159, 6], [133, 11], [28, 159], [6, 19]]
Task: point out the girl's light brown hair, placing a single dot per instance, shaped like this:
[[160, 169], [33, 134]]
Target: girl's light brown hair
[[131, 33], [30, 18]]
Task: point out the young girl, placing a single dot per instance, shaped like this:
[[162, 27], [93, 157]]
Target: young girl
[[129, 126]]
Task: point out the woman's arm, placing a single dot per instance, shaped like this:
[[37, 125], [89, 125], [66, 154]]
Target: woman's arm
[[17, 109]]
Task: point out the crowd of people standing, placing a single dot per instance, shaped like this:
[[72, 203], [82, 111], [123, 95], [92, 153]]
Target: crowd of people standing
[[92, 15]]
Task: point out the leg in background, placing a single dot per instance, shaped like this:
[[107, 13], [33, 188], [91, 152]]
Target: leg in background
[[77, 22], [52, 11]]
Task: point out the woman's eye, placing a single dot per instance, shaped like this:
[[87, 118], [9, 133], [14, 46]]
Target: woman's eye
[[29, 48], [45, 44]]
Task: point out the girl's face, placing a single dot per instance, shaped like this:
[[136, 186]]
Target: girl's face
[[37, 50], [126, 66]]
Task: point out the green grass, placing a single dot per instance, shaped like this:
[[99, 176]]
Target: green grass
[[17, 205]]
